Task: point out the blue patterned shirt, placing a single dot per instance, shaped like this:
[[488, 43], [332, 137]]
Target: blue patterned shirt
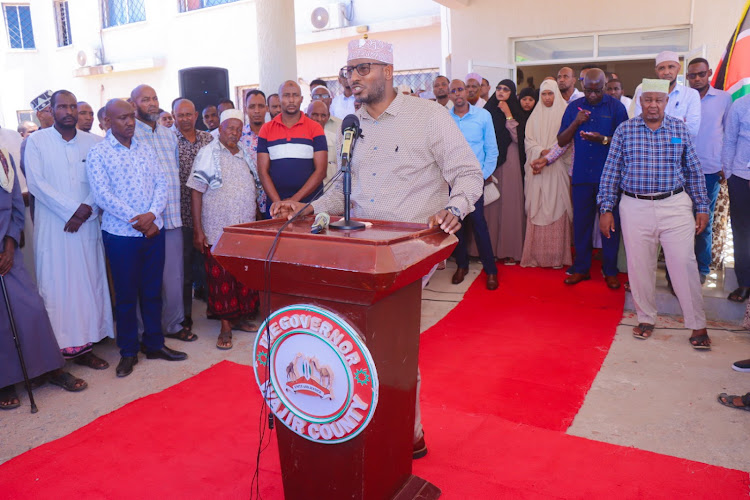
[[645, 161], [735, 155], [126, 182], [164, 142]]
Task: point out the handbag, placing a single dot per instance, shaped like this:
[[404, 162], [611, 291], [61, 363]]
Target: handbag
[[491, 191]]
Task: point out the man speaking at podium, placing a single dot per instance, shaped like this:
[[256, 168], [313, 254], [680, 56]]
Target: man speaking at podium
[[412, 162]]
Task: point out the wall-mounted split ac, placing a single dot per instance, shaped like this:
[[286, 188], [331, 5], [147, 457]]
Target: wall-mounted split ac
[[330, 16]]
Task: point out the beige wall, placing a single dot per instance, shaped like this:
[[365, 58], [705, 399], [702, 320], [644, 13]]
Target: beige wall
[[412, 49], [485, 29]]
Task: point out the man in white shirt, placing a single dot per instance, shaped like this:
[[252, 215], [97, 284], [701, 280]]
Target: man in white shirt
[[684, 103], [473, 89], [343, 104], [566, 82], [614, 89], [440, 89]]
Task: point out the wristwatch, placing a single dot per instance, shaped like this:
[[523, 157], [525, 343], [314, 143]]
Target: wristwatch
[[605, 141], [455, 211]]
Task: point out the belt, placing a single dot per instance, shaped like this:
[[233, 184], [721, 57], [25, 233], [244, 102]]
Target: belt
[[660, 196]]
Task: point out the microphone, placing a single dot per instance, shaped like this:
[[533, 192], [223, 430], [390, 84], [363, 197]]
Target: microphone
[[351, 131], [321, 223]]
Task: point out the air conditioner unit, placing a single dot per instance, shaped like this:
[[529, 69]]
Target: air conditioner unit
[[329, 16], [90, 56]]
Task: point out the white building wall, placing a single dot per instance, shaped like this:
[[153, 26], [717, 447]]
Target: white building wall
[[223, 36]]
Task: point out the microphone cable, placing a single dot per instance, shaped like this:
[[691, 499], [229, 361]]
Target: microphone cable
[[265, 418]]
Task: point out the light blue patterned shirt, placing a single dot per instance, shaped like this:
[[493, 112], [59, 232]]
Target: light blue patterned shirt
[[164, 142], [126, 182], [735, 155]]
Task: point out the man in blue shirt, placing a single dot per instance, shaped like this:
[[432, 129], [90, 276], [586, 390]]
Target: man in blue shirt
[[653, 163], [476, 125], [735, 157], [590, 122], [715, 106]]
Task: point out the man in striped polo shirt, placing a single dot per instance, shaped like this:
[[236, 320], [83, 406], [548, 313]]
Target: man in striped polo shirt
[[292, 151]]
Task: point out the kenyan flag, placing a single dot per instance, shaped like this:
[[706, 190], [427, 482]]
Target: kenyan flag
[[733, 72]]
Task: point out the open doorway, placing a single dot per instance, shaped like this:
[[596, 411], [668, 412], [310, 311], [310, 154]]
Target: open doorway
[[631, 73]]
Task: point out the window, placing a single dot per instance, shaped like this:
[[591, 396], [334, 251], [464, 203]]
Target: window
[[18, 24], [119, 12], [62, 23], [645, 42], [27, 115], [555, 48], [188, 5]]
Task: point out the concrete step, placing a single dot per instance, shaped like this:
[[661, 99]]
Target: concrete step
[[715, 291]]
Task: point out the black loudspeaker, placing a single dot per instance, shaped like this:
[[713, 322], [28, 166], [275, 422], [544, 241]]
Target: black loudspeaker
[[204, 86]]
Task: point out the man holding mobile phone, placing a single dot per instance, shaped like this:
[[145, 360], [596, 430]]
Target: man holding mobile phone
[[590, 122]]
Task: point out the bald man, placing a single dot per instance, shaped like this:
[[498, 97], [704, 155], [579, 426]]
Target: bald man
[[299, 149], [164, 143], [133, 202], [590, 122], [566, 82], [318, 112], [189, 142]]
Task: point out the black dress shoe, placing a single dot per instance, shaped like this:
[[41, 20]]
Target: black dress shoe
[[125, 366], [166, 353]]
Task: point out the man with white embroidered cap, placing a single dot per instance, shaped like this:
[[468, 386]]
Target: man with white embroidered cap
[[684, 102], [474, 89], [412, 162], [653, 162], [223, 183]]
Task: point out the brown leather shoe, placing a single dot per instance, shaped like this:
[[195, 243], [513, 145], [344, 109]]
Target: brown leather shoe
[[576, 278], [459, 276], [612, 282], [492, 282]]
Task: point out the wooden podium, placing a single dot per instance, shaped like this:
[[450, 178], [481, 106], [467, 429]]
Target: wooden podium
[[372, 278]]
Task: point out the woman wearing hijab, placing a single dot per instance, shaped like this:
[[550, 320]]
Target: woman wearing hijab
[[547, 187], [528, 99], [505, 217]]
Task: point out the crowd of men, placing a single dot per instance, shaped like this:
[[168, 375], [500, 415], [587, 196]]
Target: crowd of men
[[125, 223]]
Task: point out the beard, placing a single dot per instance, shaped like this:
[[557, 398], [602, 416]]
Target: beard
[[375, 93], [146, 117]]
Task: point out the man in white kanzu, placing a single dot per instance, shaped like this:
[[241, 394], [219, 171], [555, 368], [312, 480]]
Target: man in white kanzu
[[70, 269]]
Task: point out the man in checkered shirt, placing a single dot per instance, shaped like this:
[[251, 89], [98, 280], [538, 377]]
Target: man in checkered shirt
[[652, 161]]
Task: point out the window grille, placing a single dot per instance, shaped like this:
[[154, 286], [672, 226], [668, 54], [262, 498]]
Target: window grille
[[417, 80], [62, 23], [188, 5], [119, 12], [18, 26]]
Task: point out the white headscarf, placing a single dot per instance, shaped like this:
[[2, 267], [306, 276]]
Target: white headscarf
[[548, 193]]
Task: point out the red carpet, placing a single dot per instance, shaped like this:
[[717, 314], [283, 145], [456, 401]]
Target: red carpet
[[503, 374], [527, 352]]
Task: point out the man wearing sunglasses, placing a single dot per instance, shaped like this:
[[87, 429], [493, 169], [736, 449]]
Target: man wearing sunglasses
[[411, 164], [715, 106]]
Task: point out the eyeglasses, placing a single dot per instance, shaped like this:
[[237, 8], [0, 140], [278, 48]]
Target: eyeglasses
[[362, 68], [700, 74], [320, 96], [457, 90], [593, 91], [503, 88]]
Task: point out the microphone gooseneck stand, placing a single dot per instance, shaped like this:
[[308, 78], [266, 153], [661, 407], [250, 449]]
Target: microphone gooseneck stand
[[346, 224]]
